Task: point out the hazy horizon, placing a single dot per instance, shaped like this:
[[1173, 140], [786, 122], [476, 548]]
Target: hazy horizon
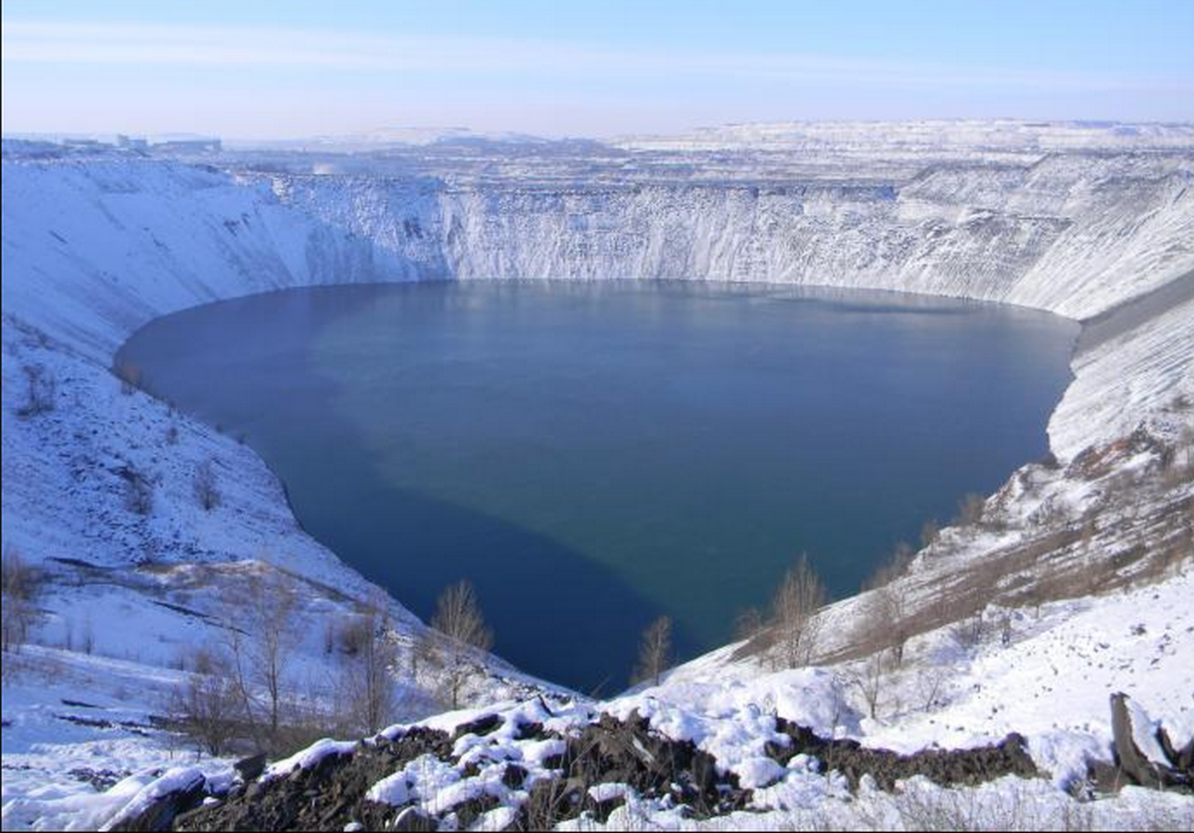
[[254, 73]]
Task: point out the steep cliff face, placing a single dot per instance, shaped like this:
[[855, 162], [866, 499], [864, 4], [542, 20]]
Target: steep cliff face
[[1074, 235], [96, 248]]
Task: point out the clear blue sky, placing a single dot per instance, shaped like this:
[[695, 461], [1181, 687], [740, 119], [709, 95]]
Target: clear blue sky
[[273, 70]]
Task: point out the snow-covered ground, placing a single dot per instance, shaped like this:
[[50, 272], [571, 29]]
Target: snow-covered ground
[[1080, 220]]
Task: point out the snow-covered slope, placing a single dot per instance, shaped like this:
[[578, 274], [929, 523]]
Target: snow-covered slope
[[1089, 222]]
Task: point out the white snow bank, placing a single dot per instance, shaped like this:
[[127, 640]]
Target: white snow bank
[[309, 758]]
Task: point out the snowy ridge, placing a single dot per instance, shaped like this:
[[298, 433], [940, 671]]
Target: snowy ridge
[[965, 136]]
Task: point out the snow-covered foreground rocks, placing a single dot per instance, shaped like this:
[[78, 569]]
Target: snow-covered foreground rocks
[[779, 750], [1073, 586]]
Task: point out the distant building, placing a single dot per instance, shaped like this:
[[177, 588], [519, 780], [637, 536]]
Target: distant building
[[131, 143], [187, 146], [71, 142]]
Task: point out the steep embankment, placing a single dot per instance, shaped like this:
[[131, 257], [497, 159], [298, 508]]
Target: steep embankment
[[94, 248]]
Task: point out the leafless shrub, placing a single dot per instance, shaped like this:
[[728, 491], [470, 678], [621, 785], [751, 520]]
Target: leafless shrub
[[971, 510], [68, 634], [886, 613], [888, 609], [1178, 466], [206, 487], [129, 375], [1090, 528], [748, 624], [894, 568], [17, 578], [869, 679], [302, 725], [655, 652], [207, 707], [21, 586], [935, 809], [367, 696], [351, 637], [138, 490], [261, 640], [41, 391], [970, 632], [87, 641], [930, 532], [794, 609], [463, 640], [932, 681], [423, 651]]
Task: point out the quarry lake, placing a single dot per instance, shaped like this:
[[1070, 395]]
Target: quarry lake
[[594, 454]]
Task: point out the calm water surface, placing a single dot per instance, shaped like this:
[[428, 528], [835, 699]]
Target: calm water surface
[[592, 455]]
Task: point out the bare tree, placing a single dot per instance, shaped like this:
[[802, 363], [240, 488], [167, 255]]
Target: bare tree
[[41, 391], [794, 611], [886, 614], [207, 706], [464, 637], [261, 644], [1090, 528], [930, 532], [1005, 630], [207, 490], [655, 652], [88, 644], [890, 609], [424, 650], [369, 655], [869, 680], [931, 682], [970, 632], [970, 510], [748, 625], [329, 637], [21, 586]]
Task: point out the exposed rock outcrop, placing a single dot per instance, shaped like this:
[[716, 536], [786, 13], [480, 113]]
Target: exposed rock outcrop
[[599, 764], [1131, 765]]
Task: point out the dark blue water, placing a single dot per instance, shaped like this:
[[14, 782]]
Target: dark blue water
[[592, 455]]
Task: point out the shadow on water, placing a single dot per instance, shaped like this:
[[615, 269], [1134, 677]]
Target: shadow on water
[[554, 612], [549, 607]]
